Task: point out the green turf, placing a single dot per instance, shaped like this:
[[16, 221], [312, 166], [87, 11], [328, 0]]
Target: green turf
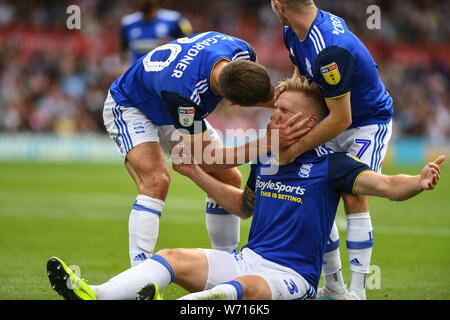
[[79, 212]]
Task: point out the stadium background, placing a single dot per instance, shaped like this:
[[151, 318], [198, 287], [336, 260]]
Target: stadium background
[[64, 192]]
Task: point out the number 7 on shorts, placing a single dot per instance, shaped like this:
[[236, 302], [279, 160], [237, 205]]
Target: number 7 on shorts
[[365, 145]]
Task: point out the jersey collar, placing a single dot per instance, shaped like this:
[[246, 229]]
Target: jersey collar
[[310, 26], [313, 155], [317, 20]]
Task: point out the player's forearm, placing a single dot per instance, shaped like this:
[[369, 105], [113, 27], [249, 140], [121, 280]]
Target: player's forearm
[[396, 188], [323, 132], [227, 196], [229, 157], [402, 187]]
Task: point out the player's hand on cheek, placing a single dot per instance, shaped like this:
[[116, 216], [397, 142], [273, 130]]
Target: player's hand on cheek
[[291, 131]]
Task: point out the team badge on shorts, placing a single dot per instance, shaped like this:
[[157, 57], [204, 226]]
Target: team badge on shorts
[[331, 73], [186, 116]]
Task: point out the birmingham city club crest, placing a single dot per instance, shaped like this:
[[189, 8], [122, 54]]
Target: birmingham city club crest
[[305, 170]]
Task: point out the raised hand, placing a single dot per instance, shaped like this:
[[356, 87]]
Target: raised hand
[[431, 173]]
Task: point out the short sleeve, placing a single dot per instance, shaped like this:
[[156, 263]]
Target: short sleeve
[[344, 170], [251, 181], [186, 116], [252, 52], [335, 67]]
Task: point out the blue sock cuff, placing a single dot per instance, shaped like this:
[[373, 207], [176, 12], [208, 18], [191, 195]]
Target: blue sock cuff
[[139, 207], [358, 245], [165, 264], [331, 246], [239, 289], [215, 208], [219, 211]]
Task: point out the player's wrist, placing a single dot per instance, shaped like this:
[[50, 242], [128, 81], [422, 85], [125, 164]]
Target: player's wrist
[[295, 150], [421, 184]]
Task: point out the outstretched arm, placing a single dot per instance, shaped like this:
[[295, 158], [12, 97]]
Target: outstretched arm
[[399, 187]]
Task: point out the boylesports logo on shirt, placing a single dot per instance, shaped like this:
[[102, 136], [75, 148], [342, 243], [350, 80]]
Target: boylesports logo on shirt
[[278, 187]]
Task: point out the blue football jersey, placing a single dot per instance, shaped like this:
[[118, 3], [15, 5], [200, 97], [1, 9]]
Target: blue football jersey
[[295, 209], [335, 59], [143, 35], [171, 85]]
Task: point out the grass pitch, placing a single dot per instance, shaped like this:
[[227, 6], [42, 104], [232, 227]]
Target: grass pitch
[[79, 212]]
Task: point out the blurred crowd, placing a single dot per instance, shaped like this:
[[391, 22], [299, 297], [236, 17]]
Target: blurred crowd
[[53, 79]]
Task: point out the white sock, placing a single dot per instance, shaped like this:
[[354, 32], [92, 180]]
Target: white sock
[[359, 245], [143, 227], [223, 227], [359, 284], [231, 290], [125, 285], [331, 266]]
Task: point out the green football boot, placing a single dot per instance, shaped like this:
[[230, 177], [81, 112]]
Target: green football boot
[[64, 281], [149, 292]]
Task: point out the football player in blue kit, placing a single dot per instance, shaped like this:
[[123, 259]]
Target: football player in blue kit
[[358, 121], [170, 91], [150, 27], [293, 213]]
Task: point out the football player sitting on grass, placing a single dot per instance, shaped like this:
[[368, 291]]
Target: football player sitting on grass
[[293, 213]]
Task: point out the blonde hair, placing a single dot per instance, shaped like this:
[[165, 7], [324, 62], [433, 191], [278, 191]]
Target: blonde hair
[[305, 86]]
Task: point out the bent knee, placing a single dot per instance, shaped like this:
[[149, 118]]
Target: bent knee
[[189, 265], [168, 254], [154, 183], [178, 256]]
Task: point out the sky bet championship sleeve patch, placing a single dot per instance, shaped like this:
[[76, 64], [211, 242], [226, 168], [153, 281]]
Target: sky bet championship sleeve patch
[[335, 68], [186, 116], [331, 73]]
